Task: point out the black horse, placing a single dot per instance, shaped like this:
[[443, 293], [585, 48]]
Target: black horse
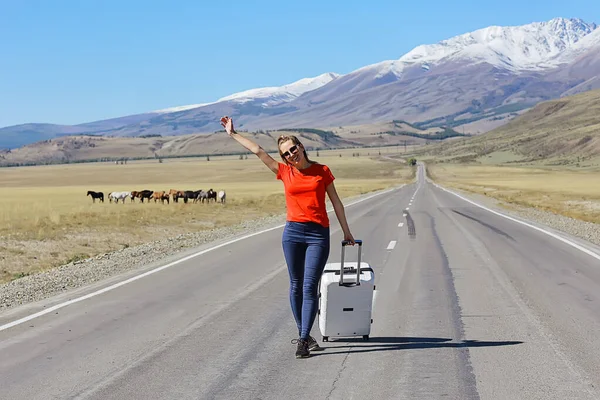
[[211, 194], [189, 194], [96, 195], [145, 194]]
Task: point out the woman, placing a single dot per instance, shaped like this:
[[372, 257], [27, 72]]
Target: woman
[[306, 234]]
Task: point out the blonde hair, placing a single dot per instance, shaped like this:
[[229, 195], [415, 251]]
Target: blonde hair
[[295, 140]]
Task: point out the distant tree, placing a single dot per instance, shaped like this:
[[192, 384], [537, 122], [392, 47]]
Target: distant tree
[[412, 161]]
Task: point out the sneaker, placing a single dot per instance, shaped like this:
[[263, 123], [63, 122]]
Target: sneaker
[[313, 345], [302, 349]]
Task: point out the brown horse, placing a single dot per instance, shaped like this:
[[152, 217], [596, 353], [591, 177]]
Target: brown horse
[[162, 196], [176, 194], [134, 194]]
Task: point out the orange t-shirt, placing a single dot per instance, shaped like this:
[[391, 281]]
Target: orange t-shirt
[[305, 192]]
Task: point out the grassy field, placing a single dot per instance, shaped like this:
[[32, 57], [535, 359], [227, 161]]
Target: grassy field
[[563, 191], [46, 220]]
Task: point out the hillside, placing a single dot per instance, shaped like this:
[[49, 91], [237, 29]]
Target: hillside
[[81, 148], [557, 132]]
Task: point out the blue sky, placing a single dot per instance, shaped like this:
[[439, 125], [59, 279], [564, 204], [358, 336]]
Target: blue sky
[[70, 62]]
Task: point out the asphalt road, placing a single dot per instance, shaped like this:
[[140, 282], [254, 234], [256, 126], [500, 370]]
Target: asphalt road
[[469, 305]]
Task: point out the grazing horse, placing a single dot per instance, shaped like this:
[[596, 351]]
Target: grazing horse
[[201, 196], [176, 194], [188, 194], [95, 195], [162, 196], [145, 194], [116, 196], [211, 194], [221, 196], [133, 195], [196, 195]]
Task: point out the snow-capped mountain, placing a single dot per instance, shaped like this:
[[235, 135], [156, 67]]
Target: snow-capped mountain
[[531, 47], [467, 77], [179, 108], [267, 96], [485, 69], [587, 43], [276, 95]]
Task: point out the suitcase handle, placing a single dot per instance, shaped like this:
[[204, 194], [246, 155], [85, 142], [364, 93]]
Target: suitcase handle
[[344, 244]]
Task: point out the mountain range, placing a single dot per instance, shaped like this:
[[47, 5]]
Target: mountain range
[[474, 81]]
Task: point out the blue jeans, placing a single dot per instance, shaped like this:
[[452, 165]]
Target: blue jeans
[[306, 249]]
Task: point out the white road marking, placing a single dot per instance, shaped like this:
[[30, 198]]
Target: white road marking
[[391, 245], [555, 236], [407, 208], [401, 224], [158, 269]]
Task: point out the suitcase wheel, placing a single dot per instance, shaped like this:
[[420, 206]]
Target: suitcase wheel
[[326, 338], [365, 338]]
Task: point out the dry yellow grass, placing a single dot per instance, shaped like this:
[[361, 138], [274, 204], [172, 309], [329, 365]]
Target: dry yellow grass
[[564, 131], [46, 219], [572, 193]]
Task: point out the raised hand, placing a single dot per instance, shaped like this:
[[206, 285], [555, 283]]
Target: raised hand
[[227, 123]]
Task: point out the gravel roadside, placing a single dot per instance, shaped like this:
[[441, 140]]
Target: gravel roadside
[[80, 273], [76, 274]]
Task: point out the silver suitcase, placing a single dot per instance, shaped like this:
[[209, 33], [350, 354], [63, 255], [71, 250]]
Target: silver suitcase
[[346, 298]]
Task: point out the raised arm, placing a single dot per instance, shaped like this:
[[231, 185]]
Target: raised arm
[[269, 161], [338, 207]]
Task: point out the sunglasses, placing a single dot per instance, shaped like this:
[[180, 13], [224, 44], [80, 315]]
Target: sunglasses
[[291, 151]]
